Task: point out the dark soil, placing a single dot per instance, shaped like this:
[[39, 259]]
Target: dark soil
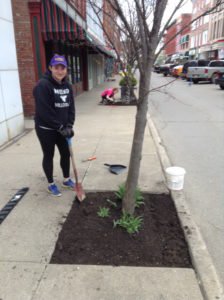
[[87, 238]]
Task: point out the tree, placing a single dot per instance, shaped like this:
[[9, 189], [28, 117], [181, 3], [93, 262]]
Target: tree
[[139, 21]]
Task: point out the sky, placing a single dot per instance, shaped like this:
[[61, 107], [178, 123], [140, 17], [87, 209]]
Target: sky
[[187, 8]]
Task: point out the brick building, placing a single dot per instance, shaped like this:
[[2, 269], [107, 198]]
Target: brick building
[[216, 33], [199, 43], [45, 27], [183, 38], [179, 45], [111, 33], [170, 45]]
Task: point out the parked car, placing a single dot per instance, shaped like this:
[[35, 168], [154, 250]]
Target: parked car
[[190, 63], [206, 73], [156, 68], [220, 80], [177, 70], [166, 69]]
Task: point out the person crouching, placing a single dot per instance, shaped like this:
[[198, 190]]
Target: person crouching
[[108, 96]]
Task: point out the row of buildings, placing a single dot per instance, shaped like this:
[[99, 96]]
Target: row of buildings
[[31, 32], [203, 39]]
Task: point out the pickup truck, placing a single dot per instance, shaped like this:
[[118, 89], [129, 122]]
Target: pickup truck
[[206, 73], [220, 80]]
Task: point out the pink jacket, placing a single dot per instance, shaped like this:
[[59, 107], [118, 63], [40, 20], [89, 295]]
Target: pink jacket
[[108, 92]]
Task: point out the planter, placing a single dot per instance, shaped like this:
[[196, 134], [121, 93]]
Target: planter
[[128, 94]]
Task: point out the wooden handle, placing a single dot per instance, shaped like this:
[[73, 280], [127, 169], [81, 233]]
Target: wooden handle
[[72, 160]]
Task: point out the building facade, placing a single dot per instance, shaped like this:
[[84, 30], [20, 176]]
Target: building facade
[[170, 42], [199, 41], [216, 33], [96, 58], [11, 112], [183, 39], [177, 45], [112, 38], [46, 27]]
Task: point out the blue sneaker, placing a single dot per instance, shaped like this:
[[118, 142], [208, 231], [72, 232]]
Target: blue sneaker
[[69, 184], [53, 189]]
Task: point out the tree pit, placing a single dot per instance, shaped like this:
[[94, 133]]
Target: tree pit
[[89, 239]]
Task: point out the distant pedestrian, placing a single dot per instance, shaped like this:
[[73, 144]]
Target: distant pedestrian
[[107, 96], [54, 120]]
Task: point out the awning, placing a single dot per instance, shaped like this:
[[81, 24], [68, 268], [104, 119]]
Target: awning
[[99, 45], [57, 25], [218, 45]]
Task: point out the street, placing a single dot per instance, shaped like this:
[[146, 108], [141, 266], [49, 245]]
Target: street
[[189, 119]]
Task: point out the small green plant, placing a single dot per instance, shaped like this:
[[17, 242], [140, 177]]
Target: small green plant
[[130, 223], [139, 199], [121, 191], [103, 212], [112, 203]]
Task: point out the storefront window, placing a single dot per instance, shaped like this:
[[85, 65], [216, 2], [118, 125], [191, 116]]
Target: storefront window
[[74, 66], [70, 69], [77, 69]]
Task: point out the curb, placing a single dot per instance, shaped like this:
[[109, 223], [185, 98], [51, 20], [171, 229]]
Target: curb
[[207, 276]]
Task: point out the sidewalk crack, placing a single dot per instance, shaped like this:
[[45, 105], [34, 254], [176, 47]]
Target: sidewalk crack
[[38, 283]]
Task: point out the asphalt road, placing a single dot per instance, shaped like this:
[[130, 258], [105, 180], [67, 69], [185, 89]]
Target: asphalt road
[[190, 121]]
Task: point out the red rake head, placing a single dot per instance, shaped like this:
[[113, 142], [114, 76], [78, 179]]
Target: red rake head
[[80, 194]]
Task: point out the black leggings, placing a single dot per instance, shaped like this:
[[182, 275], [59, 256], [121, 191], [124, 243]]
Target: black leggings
[[48, 139]]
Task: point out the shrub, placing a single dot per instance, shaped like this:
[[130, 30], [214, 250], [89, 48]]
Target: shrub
[[128, 78]]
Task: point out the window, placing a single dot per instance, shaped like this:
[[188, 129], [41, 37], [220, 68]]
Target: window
[[78, 76], [214, 31], [192, 42], [206, 19], [204, 37], [74, 66], [203, 63], [217, 63], [219, 29], [193, 63]]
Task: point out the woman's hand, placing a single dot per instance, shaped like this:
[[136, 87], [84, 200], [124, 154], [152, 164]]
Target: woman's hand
[[66, 132]]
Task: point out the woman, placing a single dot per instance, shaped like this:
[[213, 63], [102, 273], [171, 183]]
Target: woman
[[54, 119], [107, 96]]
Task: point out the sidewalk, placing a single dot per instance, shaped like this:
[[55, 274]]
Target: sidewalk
[[29, 233]]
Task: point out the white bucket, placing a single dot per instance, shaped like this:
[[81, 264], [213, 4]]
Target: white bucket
[[175, 178]]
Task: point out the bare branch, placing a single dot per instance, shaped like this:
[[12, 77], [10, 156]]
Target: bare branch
[[170, 18], [207, 12], [159, 12]]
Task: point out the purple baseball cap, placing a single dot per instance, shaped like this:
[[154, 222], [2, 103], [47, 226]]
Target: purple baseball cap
[[58, 60]]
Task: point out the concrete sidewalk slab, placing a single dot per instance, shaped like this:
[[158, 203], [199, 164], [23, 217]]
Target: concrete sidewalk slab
[[99, 178], [29, 233], [112, 283], [19, 281], [31, 230]]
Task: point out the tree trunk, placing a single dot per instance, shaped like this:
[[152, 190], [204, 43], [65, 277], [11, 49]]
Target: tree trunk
[[136, 151]]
